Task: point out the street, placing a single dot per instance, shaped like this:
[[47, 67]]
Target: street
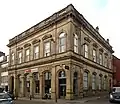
[[100, 101]]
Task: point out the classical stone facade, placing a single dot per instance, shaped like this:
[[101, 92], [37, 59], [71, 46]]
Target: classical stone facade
[[63, 56]]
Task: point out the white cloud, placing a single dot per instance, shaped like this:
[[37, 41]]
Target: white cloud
[[17, 16]]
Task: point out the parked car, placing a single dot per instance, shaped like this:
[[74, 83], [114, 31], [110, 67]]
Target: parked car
[[11, 95], [5, 99], [114, 95]]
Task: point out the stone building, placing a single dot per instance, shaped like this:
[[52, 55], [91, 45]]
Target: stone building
[[63, 56], [4, 72]]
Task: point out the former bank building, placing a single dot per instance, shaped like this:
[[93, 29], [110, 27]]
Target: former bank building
[[63, 56]]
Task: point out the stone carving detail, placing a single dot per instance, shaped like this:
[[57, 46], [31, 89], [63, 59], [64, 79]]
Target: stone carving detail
[[47, 36], [95, 45], [87, 39], [35, 41], [101, 50], [19, 48], [27, 45]]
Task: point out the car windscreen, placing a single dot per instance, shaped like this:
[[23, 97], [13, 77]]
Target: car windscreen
[[116, 89], [4, 96]]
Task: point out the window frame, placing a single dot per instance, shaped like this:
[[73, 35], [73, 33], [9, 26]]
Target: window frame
[[93, 81], [86, 52], [101, 61], [20, 58], [85, 81], [76, 43], [49, 48], [12, 58], [63, 44], [27, 55], [34, 53], [94, 55]]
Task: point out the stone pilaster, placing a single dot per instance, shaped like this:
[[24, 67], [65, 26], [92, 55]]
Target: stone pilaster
[[69, 84], [41, 85], [16, 85], [23, 85], [31, 85]]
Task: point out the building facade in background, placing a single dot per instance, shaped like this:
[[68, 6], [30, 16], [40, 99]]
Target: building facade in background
[[63, 56], [4, 72], [116, 71]]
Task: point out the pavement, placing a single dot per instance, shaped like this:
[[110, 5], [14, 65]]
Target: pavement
[[63, 101]]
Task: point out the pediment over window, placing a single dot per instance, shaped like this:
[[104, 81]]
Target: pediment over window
[[106, 54], [19, 48], [94, 73], [47, 36], [35, 41], [27, 45], [87, 39], [101, 50], [100, 75], [95, 45]]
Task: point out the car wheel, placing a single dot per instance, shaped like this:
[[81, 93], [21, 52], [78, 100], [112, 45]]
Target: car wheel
[[111, 101]]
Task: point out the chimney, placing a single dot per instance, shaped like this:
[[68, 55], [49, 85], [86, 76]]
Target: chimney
[[108, 40], [97, 28]]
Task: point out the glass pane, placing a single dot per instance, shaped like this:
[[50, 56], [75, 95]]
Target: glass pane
[[62, 35], [36, 49]]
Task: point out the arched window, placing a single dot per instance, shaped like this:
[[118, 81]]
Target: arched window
[[85, 80], [75, 43], [100, 82], [62, 42], [93, 81]]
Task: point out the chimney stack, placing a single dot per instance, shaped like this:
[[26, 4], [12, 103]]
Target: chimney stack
[[97, 28]]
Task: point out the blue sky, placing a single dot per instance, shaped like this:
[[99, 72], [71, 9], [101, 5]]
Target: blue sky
[[18, 15]]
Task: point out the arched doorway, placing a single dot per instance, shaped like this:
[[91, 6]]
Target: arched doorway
[[12, 84], [75, 84], [62, 84]]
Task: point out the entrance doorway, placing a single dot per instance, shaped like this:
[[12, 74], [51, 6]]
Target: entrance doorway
[[12, 84], [62, 84]]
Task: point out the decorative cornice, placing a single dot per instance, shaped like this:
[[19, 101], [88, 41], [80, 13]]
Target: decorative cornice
[[47, 36], [87, 39], [106, 54], [100, 75], [35, 41], [94, 73], [27, 45]]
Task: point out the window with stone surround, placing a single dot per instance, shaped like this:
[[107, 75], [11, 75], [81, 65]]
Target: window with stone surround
[[75, 43], [47, 48], [93, 81], [19, 57], [36, 52], [100, 59], [100, 82], [105, 61], [62, 42], [85, 80], [86, 50], [94, 55], [27, 55], [105, 83], [12, 58]]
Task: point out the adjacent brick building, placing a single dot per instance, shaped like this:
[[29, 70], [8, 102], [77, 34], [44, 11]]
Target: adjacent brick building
[[116, 71], [63, 56]]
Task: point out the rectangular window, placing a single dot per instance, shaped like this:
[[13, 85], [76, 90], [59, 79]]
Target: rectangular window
[[94, 55], [36, 52], [105, 62], [100, 59], [47, 49], [85, 80], [13, 58], [27, 55], [86, 50], [20, 57], [100, 82], [75, 43], [93, 81]]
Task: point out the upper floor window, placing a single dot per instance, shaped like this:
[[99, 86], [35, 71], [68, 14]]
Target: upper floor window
[[106, 61], [100, 59], [27, 55], [93, 81], [12, 58], [36, 52], [75, 43], [62, 42], [94, 55], [86, 50], [47, 48], [47, 76], [20, 57], [85, 80]]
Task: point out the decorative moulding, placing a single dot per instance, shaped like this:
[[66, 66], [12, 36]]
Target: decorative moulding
[[106, 54], [47, 37], [19, 48], [27, 45], [35, 41], [95, 45], [101, 50], [87, 39]]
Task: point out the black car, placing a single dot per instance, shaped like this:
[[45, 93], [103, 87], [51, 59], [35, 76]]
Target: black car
[[114, 95], [11, 95]]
